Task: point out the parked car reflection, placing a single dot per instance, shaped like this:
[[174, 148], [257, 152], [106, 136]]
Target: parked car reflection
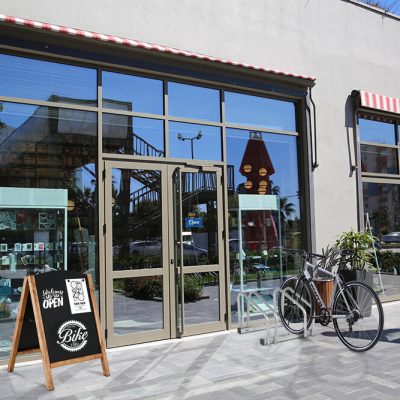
[[392, 237]]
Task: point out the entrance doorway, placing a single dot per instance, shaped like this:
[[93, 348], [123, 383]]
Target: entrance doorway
[[164, 251]]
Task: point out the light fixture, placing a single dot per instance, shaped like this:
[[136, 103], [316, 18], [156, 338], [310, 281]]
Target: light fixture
[[261, 190], [70, 205], [247, 168], [248, 184], [262, 171], [263, 184]]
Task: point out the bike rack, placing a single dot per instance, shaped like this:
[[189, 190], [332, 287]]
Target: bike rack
[[246, 295], [269, 310]]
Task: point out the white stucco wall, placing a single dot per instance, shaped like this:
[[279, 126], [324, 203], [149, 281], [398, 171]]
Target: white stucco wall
[[344, 46]]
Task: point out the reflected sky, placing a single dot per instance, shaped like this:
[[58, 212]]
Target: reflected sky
[[193, 102], [132, 93], [378, 132], [40, 80], [260, 111]]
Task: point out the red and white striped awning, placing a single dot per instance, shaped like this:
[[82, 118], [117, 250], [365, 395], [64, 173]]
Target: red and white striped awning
[[379, 102], [139, 44]]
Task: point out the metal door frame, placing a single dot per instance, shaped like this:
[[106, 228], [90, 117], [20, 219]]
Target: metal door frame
[[220, 267], [145, 336], [168, 270]]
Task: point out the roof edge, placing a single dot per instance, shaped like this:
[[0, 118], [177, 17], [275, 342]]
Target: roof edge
[[142, 45]]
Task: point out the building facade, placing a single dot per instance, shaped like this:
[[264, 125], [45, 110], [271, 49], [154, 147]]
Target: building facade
[[127, 136]]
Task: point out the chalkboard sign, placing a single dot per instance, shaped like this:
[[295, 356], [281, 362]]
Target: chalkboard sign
[[58, 317]]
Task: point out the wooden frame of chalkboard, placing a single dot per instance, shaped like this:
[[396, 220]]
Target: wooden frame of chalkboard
[[58, 317]]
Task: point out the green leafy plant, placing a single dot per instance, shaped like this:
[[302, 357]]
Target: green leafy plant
[[389, 261], [358, 244], [193, 288], [144, 288]]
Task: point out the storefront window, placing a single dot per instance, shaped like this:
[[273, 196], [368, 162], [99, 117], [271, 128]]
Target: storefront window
[[193, 141], [381, 198], [123, 134], [132, 93], [261, 163], [48, 81], [193, 102], [382, 207], [257, 111], [48, 157]]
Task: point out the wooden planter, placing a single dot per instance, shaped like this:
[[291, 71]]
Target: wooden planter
[[325, 288]]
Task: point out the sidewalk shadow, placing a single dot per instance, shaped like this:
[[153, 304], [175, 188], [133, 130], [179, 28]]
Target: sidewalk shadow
[[384, 338]]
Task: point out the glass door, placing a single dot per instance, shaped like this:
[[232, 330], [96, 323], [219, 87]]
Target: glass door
[[197, 250], [137, 259]]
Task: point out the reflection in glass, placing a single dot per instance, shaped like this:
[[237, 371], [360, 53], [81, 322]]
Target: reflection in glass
[[382, 203], [262, 164], [48, 81], [379, 159], [201, 296], [132, 93], [193, 141], [376, 131], [193, 102], [249, 110], [47, 148], [123, 134], [199, 218], [137, 219], [138, 304]]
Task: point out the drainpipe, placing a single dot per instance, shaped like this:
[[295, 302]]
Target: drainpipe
[[314, 152]]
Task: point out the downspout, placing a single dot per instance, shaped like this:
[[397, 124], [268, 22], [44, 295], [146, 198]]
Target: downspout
[[356, 167], [314, 152]]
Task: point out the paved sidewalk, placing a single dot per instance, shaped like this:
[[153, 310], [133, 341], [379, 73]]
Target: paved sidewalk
[[227, 366]]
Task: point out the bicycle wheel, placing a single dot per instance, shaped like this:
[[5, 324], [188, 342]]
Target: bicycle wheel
[[358, 316], [289, 312]]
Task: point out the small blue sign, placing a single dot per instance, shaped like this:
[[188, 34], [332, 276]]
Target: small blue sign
[[193, 222]]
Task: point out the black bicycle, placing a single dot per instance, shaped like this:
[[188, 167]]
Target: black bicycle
[[354, 307]]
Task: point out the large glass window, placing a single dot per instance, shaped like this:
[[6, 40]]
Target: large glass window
[[193, 102], [132, 93], [48, 81], [381, 197], [379, 159], [123, 134], [197, 142], [376, 131], [383, 156], [257, 111], [45, 148], [261, 163]]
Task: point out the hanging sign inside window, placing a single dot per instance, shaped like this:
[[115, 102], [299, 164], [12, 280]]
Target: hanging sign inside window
[[193, 222]]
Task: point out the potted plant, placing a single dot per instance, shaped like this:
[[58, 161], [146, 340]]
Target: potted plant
[[358, 263]]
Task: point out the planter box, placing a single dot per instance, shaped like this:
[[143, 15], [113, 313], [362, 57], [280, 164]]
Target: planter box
[[362, 276], [365, 277], [325, 289]]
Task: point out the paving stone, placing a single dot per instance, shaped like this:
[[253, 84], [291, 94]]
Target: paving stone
[[226, 366]]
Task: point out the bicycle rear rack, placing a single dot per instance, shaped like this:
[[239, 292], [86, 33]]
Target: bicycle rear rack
[[268, 310]]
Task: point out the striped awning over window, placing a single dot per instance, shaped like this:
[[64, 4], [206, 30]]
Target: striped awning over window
[[140, 44], [379, 102]]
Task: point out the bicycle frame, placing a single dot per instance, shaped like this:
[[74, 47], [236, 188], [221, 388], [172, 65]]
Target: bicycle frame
[[306, 275]]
